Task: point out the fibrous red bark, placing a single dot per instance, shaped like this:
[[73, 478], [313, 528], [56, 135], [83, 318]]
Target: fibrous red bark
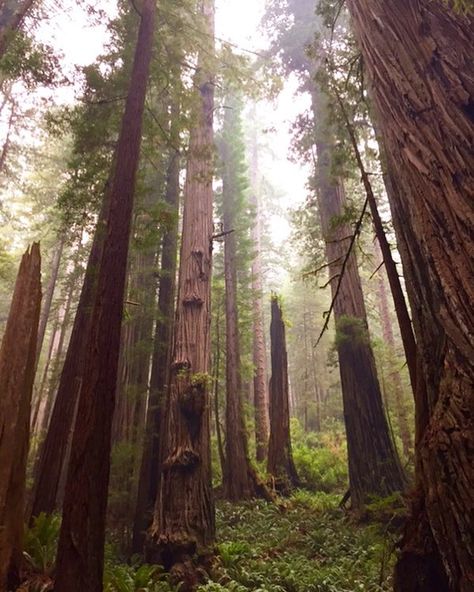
[[419, 57], [184, 524], [17, 372], [81, 540]]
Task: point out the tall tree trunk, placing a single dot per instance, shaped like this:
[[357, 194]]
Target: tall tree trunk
[[12, 14], [280, 458], [239, 478], [81, 540], [149, 469], [216, 378], [419, 58], [40, 390], [260, 390], [17, 372], [374, 467], [184, 515], [53, 378], [387, 331], [48, 296]]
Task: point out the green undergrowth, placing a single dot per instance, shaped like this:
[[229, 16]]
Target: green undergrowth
[[305, 544]]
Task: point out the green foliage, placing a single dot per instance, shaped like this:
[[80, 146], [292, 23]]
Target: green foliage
[[320, 458], [143, 578], [41, 542], [351, 330], [32, 62], [305, 545]]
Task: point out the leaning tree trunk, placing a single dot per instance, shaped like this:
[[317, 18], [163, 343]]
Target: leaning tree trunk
[[184, 524], [280, 459], [260, 391], [419, 58], [17, 372], [12, 14], [53, 455], [374, 467], [81, 541]]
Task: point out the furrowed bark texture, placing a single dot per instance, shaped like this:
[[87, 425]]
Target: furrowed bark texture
[[239, 479], [419, 57], [17, 372], [81, 540], [184, 514], [53, 456], [374, 467], [149, 470], [12, 14], [260, 390], [280, 458]]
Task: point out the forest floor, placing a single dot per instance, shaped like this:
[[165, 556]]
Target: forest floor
[[304, 544]]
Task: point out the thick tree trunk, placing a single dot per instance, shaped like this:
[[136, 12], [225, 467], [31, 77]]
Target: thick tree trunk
[[149, 470], [183, 524], [260, 390], [17, 372], [12, 14], [53, 455], [419, 57], [81, 540], [374, 467], [280, 459]]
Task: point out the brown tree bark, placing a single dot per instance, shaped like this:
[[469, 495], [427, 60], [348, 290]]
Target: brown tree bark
[[17, 372], [419, 57], [280, 459], [48, 296], [374, 467], [81, 541], [53, 456], [149, 469], [12, 14], [389, 338], [239, 477], [183, 524], [260, 390]]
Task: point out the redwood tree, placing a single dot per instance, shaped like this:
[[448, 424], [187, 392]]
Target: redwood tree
[[419, 57], [17, 373], [149, 469], [81, 541], [280, 459], [260, 390], [239, 478], [184, 523]]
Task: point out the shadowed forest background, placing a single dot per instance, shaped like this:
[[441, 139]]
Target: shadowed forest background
[[236, 283]]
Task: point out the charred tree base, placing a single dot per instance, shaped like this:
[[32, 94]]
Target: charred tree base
[[419, 567], [188, 567]]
